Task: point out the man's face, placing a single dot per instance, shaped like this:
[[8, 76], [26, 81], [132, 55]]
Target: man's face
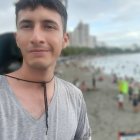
[[40, 36]]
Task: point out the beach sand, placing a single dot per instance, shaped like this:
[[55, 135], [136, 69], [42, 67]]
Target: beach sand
[[106, 120]]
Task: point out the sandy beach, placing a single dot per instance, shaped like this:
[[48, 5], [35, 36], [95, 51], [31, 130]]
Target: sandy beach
[[106, 120]]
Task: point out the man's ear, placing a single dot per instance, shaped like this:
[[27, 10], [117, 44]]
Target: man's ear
[[65, 40]]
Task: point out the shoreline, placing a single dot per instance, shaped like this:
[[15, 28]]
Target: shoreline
[[116, 64]]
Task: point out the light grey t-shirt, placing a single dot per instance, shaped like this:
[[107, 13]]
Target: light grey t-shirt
[[67, 116]]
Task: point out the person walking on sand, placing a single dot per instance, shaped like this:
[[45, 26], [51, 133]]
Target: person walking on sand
[[35, 104]]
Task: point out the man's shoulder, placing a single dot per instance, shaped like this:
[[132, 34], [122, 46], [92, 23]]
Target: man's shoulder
[[1, 79], [69, 87], [71, 93], [67, 84]]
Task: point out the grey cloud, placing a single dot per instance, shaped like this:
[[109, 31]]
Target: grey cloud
[[128, 12], [7, 20], [93, 9], [6, 4]]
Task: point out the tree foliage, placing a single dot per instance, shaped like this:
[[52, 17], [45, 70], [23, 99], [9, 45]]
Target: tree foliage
[[71, 51]]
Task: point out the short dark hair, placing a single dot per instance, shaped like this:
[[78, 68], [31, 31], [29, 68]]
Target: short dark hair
[[51, 4]]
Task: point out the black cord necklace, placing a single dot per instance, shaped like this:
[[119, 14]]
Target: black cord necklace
[[43, 84]]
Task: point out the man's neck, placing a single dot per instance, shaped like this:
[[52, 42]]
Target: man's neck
[[34, 75]]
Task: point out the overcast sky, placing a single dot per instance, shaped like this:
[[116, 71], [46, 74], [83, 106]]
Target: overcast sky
[[116, 22]]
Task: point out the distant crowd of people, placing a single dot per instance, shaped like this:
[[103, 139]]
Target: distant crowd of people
[[130, 87]]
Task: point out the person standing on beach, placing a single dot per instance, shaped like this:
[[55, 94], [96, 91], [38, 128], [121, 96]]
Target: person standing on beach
[[35, 104], [83, 86], [130, 90], [120, 101], [135, 99], [94, 82]]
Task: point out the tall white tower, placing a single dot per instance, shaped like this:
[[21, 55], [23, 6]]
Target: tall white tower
[[65, 3]]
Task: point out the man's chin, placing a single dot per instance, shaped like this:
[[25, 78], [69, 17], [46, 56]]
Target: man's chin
[[39, 66]]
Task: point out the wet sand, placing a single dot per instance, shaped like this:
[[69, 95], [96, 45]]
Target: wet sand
[[105, 118]]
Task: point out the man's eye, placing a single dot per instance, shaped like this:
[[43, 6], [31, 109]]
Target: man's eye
[[50, 27], [26, 26]]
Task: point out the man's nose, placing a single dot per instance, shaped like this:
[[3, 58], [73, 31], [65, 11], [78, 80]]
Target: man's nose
[[37, 36]]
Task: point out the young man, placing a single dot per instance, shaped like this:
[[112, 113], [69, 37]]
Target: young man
[[34, 104]]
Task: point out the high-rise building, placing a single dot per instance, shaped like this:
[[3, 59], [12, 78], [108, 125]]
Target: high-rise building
[[65, 3], [92, 41], [80, 37]]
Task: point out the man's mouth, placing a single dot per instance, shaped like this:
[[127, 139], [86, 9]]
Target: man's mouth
[[39, 52]]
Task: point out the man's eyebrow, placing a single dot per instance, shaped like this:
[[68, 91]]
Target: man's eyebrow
[[24, 21], [50, 21]]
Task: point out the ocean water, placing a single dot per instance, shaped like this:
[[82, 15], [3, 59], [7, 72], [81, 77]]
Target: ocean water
[[121, 65]]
